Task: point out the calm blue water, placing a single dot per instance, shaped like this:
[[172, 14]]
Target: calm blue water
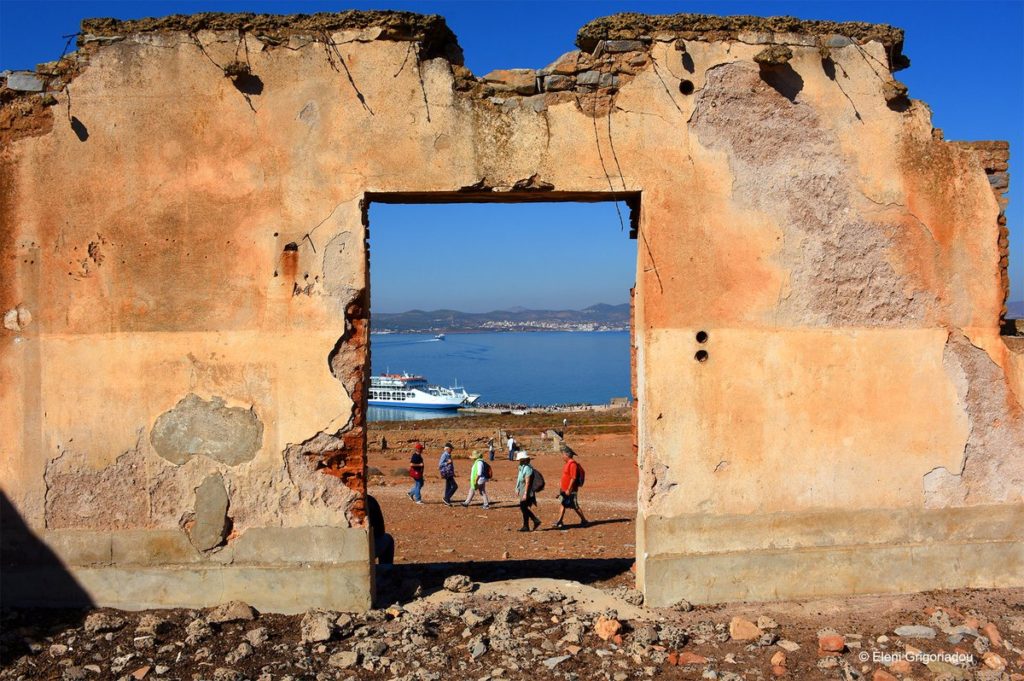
[[541, 367]]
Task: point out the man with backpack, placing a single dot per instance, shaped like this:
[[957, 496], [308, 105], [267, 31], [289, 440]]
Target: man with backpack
[[528, 483], [446, 467], [573, 478], [479, 474]]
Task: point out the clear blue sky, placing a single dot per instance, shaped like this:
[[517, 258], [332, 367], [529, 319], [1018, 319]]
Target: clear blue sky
[[967, 64], [482, 257]]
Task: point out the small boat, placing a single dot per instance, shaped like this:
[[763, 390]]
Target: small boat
[[439, 336], [414, 392]]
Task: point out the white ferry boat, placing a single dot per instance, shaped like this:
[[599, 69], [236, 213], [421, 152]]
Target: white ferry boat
[[413, 392]]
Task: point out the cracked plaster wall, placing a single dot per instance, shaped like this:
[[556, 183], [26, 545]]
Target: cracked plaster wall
[[833, 247]]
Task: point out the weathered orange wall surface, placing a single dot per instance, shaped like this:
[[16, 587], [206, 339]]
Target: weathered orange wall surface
[[183, 255]]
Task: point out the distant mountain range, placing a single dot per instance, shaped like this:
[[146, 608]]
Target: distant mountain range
[[1015, 309], [600, 317]]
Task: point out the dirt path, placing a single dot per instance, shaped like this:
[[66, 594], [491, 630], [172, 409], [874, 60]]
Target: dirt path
[[433, 532]]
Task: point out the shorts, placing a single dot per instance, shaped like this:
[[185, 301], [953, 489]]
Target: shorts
[[569, 501]]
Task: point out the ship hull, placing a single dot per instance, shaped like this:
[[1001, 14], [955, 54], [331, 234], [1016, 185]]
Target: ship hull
[[408, 405]]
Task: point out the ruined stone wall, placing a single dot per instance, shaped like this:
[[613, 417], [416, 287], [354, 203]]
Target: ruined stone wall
[[821, 384]]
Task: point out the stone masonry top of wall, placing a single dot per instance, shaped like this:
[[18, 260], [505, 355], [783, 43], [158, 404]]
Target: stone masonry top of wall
[[710, 28], [428, 29]]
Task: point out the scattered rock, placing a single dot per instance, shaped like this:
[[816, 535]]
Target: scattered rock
[[477, 646], [882, 675], [686, 658], [789, 646], [994, 661], [316, 626], [141, 672], [153, 625], [76, 674], [993, 634], [197, 630], [243, 651], [607, 628], [645, 635], [765, 622], [233, 611], [672, 636], [683, 605], [99, 622], [741, 629], [343, 659], [371, 648], [948, 671], [458, 584], [58, 649], [631, 596], [915, 631], [900, 666], [830, 641], [474, 619], [553, 662], [256, 637]]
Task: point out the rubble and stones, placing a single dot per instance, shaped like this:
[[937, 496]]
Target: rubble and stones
[[538, 635]]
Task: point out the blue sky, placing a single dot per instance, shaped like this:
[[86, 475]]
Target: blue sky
[[967, 64]]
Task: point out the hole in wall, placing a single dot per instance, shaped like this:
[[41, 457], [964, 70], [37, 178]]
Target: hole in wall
[[484, 304], [686, 87], [702, 336], [701, 356]]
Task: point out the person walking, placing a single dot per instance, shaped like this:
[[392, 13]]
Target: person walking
[[490, 449], [446, 466], [416, 473], [511, 447], [572, 478], [524, 488], [479, 474]]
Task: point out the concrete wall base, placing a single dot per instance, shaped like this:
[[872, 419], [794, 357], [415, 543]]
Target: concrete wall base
[[274, 569], [900, 551], [280, 589]]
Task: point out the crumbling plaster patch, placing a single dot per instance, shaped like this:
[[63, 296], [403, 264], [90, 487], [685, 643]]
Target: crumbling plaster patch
[[992, 470], [209, 524], [194, 426], [788, 164], [111, 498]]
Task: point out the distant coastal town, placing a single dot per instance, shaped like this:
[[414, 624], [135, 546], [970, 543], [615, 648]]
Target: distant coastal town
[[599, 317]]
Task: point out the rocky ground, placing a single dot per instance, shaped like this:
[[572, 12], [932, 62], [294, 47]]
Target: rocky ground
[[533, 629]]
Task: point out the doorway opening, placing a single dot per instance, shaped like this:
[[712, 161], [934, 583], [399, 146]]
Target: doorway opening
[[518, 309]]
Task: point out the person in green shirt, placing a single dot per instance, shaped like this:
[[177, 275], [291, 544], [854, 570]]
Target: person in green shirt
[[479, 474], [524, 488]]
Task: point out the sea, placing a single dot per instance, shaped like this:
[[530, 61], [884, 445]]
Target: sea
[[535, 368]]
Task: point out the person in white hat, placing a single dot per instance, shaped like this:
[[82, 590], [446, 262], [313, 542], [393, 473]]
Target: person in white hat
[[525, 490]]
